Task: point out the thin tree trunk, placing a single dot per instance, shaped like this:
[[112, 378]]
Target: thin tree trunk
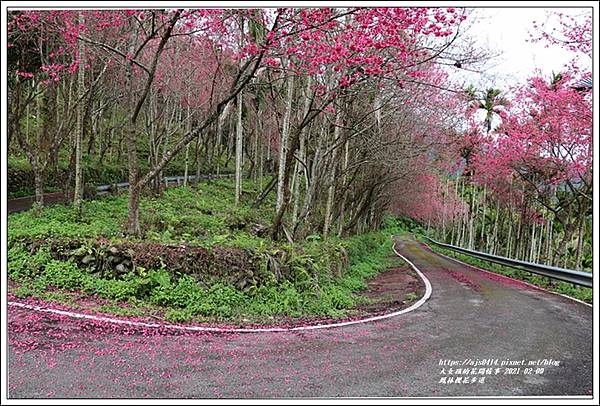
[[256, 153], [509, 238], [297, 184], [580, 235], [332, 177], [187, 147], [220, 138], [540, 241], [283, 142], [300, 169], [549, 238], [78, 194], [133, 216], [186, 165], [312, 186], [261, 162], [483, 203], [532, 243], [453, 237], [344, 186], [38, 176], [198, 165], [463, 217], [494, 239], [444, 209], [518, 244], [519, 240], [166, 141], [560, 254], [238, 151], [133, 213], [473, 208]]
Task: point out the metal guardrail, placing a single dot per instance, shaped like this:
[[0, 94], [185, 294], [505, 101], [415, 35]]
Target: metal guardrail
[[567, 275], [104, 189]]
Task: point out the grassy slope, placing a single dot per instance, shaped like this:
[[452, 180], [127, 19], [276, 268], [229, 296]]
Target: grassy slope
[[205, 217]]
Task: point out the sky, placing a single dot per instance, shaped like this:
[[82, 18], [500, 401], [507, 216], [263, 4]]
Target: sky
[[507, 30]]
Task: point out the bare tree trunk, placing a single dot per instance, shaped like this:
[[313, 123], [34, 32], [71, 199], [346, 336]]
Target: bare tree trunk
[[463, 218], [332, 175], [238, 151], [187, 147], [300, 169], [454, 236], [473, 208], [133, 216], [255, 152], [483, 203], [518, 236], [561, 250], [509, 238], [283, 142], [549, 238], [154, 144], [580, 235], [198, 165], [186, 165], [297, 178], [261, 159], [38, 176], [540, 241], [344, 183], [133, 212], [78, 195], [165, 144], [220, 120], [532, 243], [312, 186], [443, 239], [494, 240]]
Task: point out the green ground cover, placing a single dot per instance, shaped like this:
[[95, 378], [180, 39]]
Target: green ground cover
[[314, 278]]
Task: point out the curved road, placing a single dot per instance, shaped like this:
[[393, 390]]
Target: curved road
[[472, 316]]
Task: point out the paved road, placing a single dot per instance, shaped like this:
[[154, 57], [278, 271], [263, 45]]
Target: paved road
[[24, 203], [471, 315]]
